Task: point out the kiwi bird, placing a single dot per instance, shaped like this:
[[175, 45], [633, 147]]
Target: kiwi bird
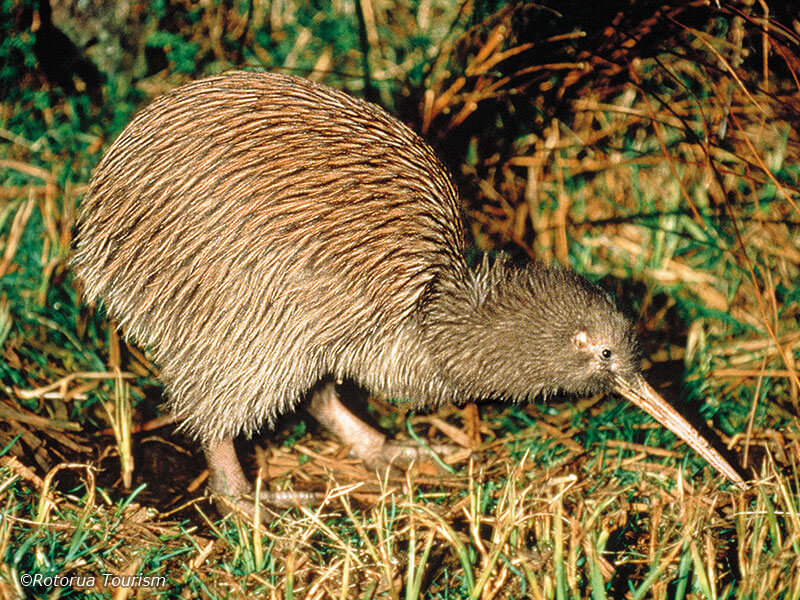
[[265, 235]]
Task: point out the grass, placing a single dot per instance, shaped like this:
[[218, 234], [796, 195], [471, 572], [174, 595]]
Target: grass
[[657, 151]]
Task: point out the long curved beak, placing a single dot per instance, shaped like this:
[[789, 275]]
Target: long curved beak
[[638, 391]]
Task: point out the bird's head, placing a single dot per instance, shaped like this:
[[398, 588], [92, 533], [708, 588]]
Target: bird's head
[[518, 333], [558, 332]]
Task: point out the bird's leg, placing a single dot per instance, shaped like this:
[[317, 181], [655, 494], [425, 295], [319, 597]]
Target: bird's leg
[[233, 492], [226, 476], [365, 442]]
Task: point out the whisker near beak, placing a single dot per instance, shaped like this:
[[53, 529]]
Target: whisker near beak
[[640, 393]]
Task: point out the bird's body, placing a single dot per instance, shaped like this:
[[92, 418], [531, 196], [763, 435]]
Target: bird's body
[[260, 233], [289, 221]]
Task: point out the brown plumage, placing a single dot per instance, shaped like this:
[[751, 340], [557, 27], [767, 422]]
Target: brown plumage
[[260, 232]]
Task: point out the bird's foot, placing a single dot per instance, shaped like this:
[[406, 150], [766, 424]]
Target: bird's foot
[[401, 454], [233, 493], [269, 501]]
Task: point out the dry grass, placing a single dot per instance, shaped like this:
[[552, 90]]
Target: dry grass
[[655, 150]]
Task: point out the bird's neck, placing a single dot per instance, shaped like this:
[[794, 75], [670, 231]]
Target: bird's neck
[[465, 328]]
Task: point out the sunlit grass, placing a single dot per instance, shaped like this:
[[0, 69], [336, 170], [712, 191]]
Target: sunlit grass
[[671, 181]]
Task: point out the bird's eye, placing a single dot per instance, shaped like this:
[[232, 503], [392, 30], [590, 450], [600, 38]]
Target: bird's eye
[[606, 353]]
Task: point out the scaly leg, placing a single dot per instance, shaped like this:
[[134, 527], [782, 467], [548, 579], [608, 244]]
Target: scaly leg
[[226, 475], [365, 442]]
